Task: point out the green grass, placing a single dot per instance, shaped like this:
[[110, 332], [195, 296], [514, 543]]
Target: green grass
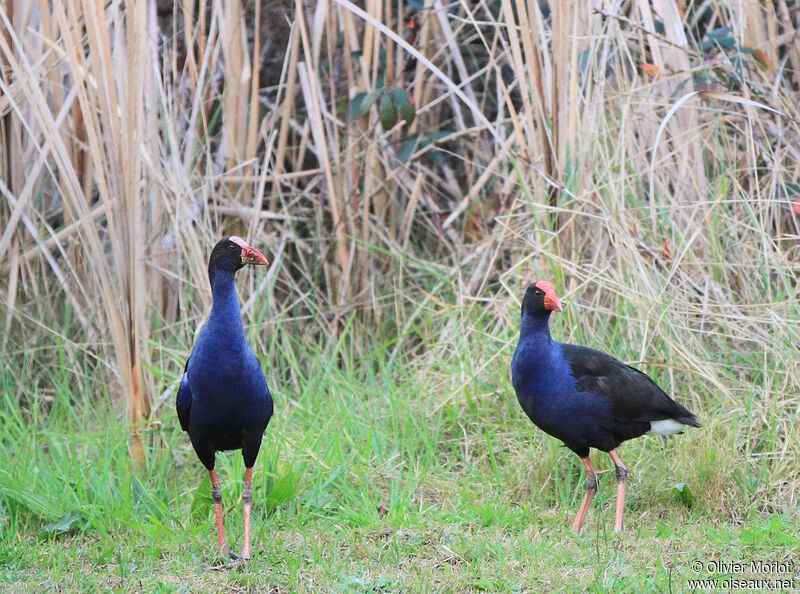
[[478, 499]]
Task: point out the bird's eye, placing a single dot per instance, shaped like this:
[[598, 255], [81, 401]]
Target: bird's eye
[[233, 246], [538, 293]]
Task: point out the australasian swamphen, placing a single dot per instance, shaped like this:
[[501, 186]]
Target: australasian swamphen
[[584, 397], [223, 401]]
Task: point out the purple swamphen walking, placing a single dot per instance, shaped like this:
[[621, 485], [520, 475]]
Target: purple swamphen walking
[[584, 397], [223, 401]]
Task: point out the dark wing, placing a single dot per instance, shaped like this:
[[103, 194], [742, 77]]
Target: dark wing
[[183, 403], [634, 395]]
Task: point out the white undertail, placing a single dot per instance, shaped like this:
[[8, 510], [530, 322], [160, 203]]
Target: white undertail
[[666, 427]]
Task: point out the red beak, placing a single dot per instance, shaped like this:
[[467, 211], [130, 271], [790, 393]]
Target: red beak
[[250, 255], [551, 300]]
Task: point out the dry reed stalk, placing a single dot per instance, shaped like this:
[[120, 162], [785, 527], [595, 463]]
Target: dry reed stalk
[[458, 60], [288, 101], [307, 75], [255, 85]]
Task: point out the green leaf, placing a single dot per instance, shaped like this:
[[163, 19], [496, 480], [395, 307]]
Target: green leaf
[[360, 105], [435, 156], [368, 102], [41, 506], [404, 105], [408, 148], [66, 523], [723, 41], [201, 500], [387, 111], [683, 494], [354, 109], [719, 32], [418, 143], [282, 491]]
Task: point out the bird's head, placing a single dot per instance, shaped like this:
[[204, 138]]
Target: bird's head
[[541, 298], [232, 253]]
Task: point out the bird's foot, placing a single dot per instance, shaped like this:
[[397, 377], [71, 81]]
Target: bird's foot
[[225, 553], [245, 556], [237, 559]]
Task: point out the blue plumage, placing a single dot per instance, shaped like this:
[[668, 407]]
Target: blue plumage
[[584, 397], [549, 393], [223, 401]]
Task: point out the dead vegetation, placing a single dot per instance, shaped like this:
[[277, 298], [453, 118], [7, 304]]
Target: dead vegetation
[[644, 155]]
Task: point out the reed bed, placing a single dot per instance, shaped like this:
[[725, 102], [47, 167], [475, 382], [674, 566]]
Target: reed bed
[[642, 155]]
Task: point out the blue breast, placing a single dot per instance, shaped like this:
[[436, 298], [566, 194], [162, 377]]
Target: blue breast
[[548, 392], [226, 380]]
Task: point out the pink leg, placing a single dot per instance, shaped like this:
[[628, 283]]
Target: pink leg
[[622, 480], [247, 498], [216, 495], [591, 489]]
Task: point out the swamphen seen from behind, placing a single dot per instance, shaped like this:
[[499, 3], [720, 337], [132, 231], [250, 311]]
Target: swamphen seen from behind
[[584, 397], [223, 401]]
